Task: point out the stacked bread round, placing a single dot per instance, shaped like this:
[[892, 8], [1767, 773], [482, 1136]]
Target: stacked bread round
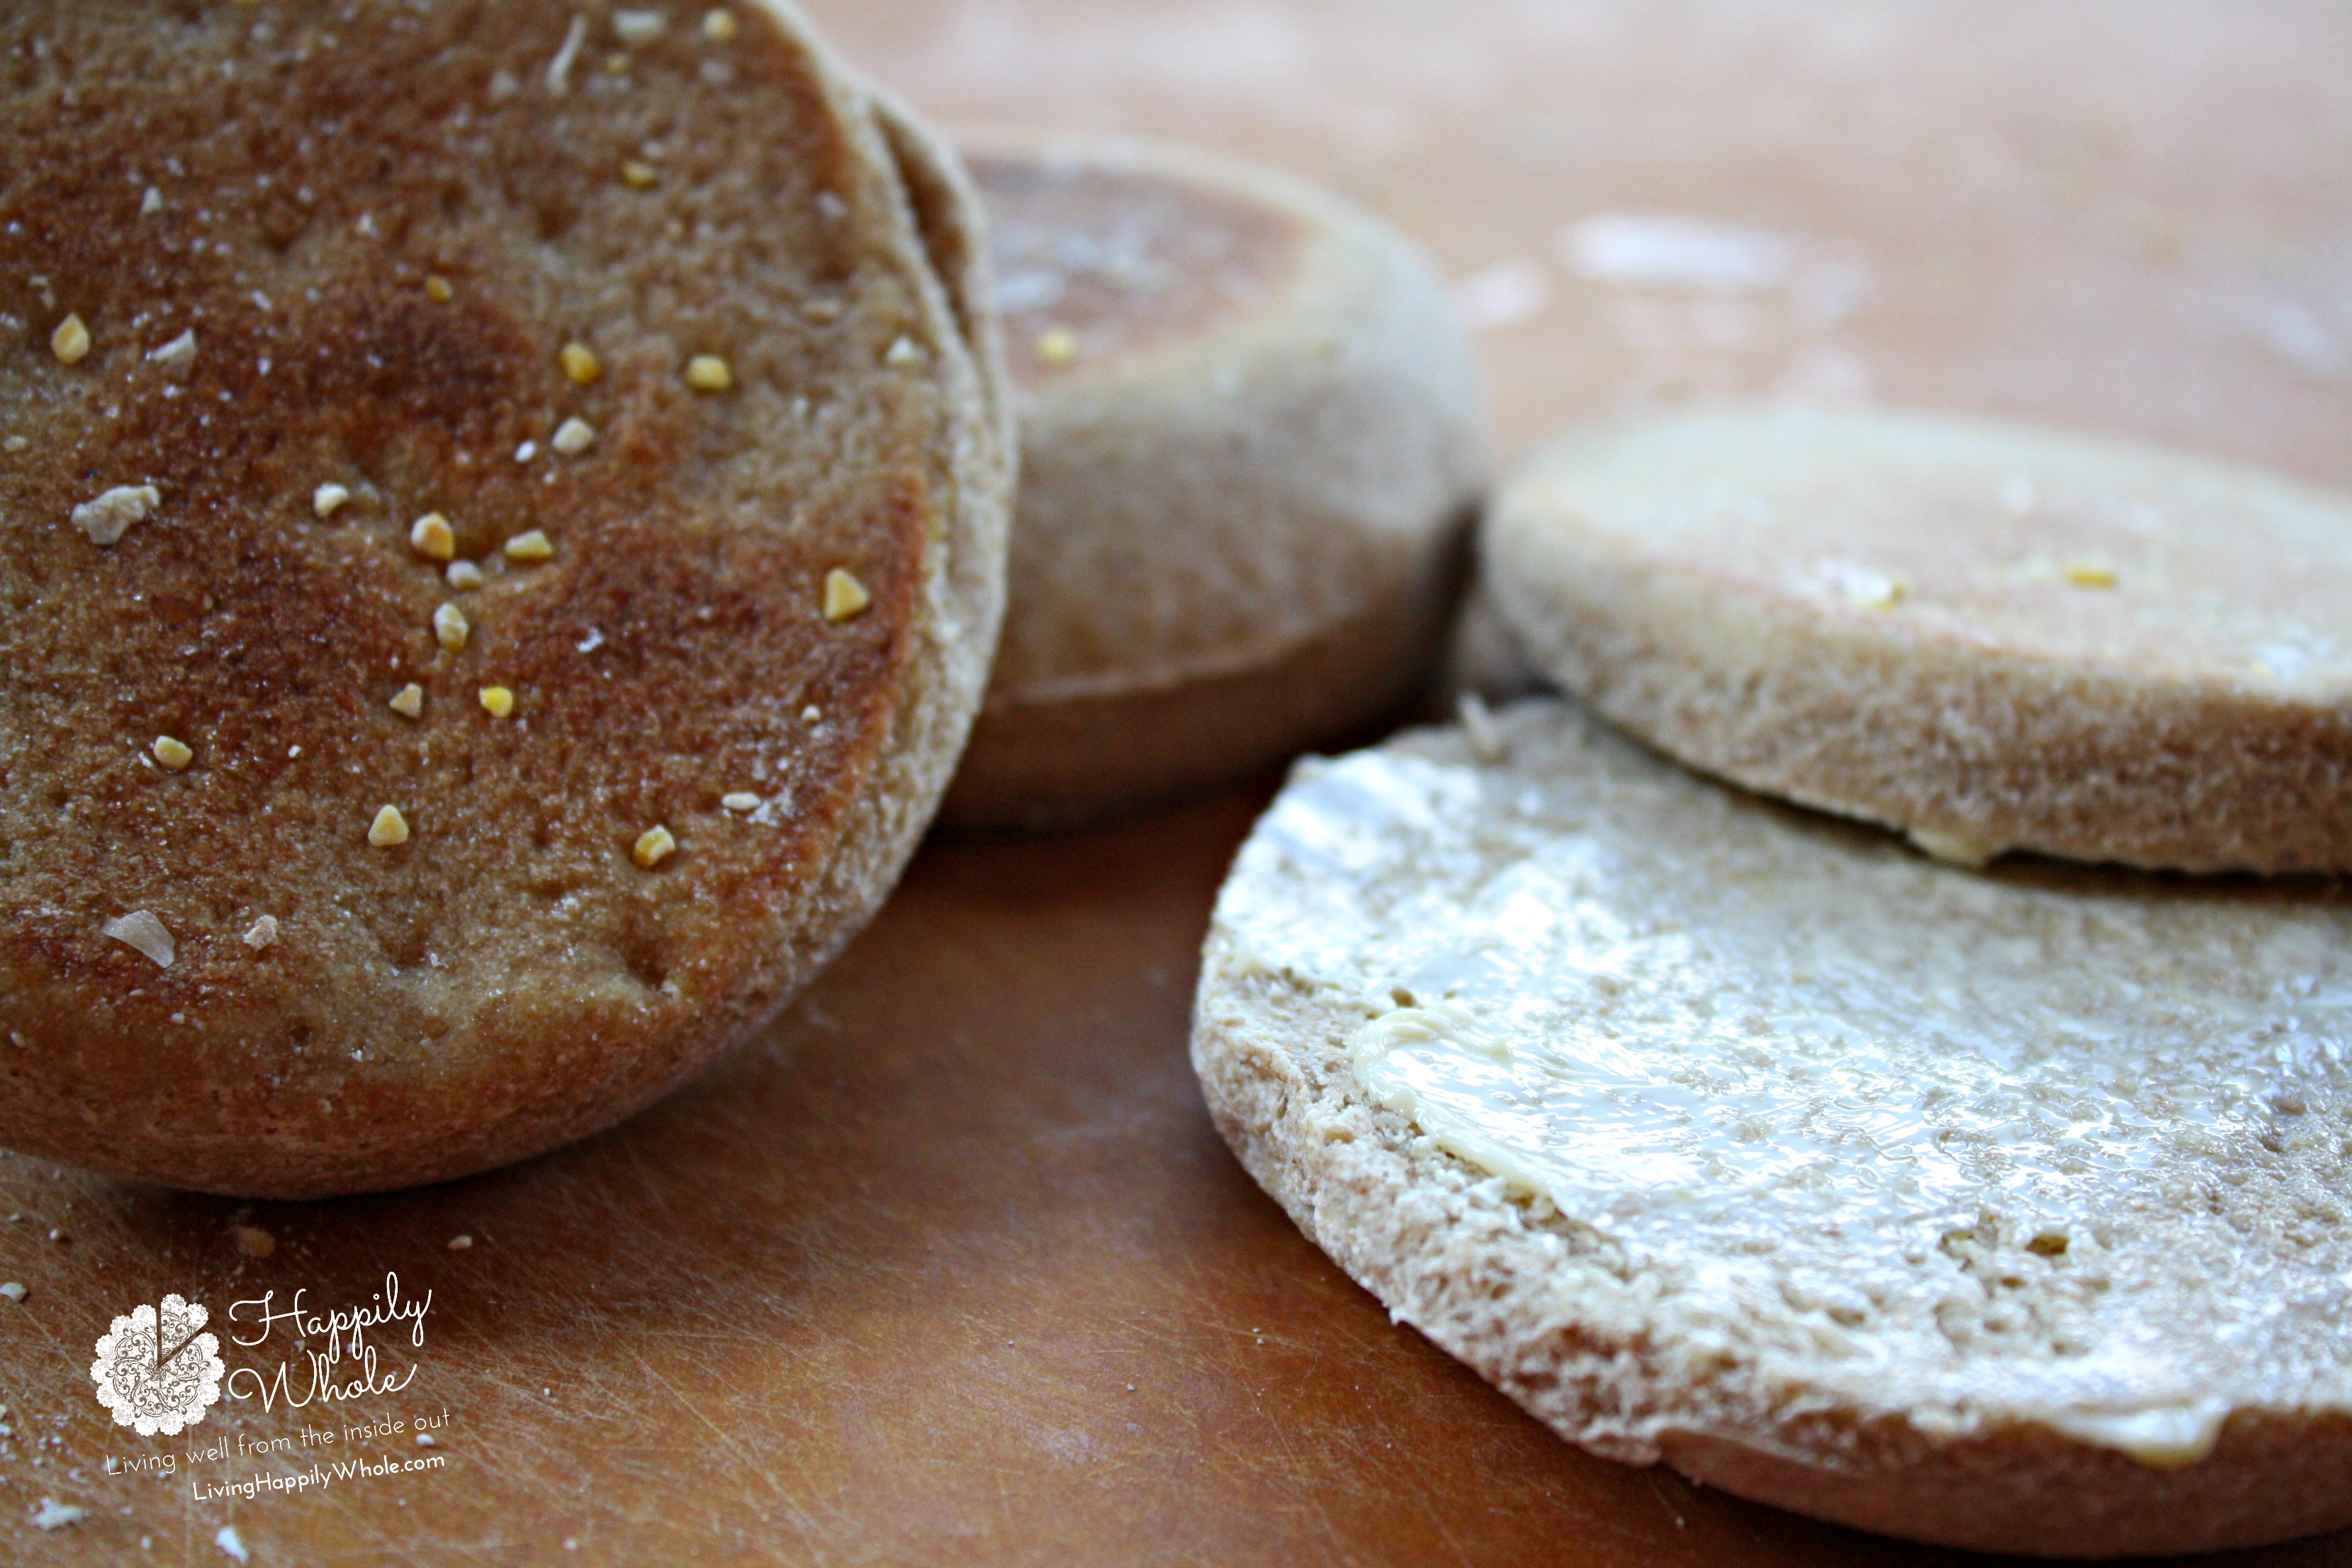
[[506, 533], [1986, 636], [1251, 431], [2000, 1207]]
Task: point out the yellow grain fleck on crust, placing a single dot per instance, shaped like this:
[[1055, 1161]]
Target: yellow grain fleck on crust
[[533, 546], [1058, 346], [844, 596], [409, 701], [497, 701], [438, 289], [653, 847], [638, 175], [574, 436], [450, 628], [580, 363], [432, 537], [70, 342], [2090, 575], [709, 372], [253, 1241], [718, 24], [262, 933], [173, 755], [464, 575], [328, 500], [741, 801], [389, 828]]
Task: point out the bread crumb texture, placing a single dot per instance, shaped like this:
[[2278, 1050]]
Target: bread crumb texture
[[340, 269], [2005, 1209]]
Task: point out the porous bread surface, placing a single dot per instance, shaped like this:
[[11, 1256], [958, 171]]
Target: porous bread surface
[[1251, 429], [1992, 637], [1916, 1198], [381, 223]]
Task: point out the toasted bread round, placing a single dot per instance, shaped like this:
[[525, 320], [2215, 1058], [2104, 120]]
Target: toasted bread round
[[1250, 430], [497, 575], [1990, 637], [2004, 1210]]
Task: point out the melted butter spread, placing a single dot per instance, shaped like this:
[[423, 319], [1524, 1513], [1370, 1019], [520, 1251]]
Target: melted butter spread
[[2058, 1144]]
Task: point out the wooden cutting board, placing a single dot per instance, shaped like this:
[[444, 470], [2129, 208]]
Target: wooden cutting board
[[949, 1267]]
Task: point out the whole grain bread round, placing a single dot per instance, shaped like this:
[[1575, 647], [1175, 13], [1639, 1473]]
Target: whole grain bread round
[[2003, 1210], [1251, 428], [1989, 636], [506, 510]]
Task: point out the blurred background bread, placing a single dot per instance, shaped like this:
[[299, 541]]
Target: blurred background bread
[[1252, 430]]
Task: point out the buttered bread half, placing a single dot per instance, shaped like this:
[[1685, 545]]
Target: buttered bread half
[[2003, 1210], [1988, 637], [1251, 431], [505, 512]]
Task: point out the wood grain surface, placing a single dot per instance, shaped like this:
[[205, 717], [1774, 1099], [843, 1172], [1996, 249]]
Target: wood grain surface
[[950, 1268]]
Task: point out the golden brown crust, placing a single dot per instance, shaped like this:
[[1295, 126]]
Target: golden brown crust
[[390, 224], [1242, 491]]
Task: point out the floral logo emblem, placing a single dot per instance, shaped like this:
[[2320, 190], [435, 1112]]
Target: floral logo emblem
[[157, 1370]]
